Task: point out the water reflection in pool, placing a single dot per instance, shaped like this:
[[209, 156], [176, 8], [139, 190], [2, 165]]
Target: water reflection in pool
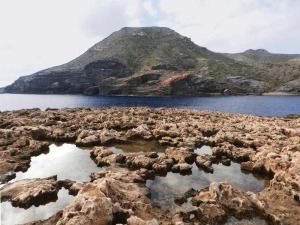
[[164, 189], [66, 161], [138, 146], [14, 215]]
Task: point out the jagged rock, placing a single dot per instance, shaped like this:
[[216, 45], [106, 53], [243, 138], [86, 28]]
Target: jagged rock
[[25, 193], [140, 161], [111, 136], [205, 162], [87, 138], [265, 145], [134, 220], [90, 206], [142, 131], [182, 168], [225, 201], [101, 152], [182, 154], [160, 168], [225, 161]]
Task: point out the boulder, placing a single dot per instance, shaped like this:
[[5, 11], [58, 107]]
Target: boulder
[[205, 162], [25, 193], [142, 131], [182, 154]]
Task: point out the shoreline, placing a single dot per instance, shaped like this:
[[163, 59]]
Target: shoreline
[[263, 145]]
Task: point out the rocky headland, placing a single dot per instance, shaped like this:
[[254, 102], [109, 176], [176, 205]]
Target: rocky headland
[[117, 194], [157, 61]]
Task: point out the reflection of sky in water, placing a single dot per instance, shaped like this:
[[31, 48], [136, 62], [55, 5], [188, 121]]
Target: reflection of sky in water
[[66, 161], [204, 150], [137, 146], [14, 215], [164, 189]]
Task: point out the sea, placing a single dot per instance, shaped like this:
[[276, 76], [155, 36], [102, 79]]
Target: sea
[[257, 105]]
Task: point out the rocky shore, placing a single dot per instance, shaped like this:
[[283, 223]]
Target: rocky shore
[[269, 146]]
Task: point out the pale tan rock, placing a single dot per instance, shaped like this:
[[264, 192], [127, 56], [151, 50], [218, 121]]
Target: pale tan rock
[[205, 162], [90, 205], [134, 220], [25, 193], [142, 131], [182, 154]]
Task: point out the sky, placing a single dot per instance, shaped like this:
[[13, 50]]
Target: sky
[[38, 34]]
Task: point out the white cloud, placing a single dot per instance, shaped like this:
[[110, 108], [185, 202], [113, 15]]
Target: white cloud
[[39, 34], [234, 25], [106, 18], [149, 8]]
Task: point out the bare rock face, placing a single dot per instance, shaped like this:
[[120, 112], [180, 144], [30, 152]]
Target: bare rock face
[[109, 199], [182, 154], [25, 193], [139, 161], [134, 220], [103, 137], [90, 206], [268, 146], [226, 201], [87, 138], [111, 136], [142, 131], [105, 157], [16, 148], [205, 162], [182, 168]]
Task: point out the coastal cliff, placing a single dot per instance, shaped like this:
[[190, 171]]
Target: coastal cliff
[[158, 61]]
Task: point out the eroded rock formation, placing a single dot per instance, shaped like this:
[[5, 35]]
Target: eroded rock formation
[[264, 145]]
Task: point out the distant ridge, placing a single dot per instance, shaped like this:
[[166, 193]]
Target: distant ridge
[[159, 61]]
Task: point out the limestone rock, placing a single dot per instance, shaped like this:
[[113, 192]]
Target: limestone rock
[[205, 162], [142, 131], [25, 193]]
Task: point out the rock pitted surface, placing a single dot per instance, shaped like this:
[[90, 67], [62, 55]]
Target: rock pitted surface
[[158, 61], [265, 145], [25, 193]]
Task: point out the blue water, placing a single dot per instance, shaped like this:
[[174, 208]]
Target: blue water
[[258, 105]]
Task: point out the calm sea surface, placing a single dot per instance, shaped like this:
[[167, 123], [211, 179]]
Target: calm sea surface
[[258, 105]]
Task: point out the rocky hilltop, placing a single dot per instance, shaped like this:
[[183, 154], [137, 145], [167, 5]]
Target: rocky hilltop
[[159, 61]]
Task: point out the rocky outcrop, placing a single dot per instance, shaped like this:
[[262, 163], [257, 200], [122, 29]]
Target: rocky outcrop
[[219, 201], [25, 193], [267, 146], [292, 87], [205, 162], [110, 200], [103, 137]]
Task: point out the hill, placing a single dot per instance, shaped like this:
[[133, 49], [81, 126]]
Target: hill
[[159, 61]]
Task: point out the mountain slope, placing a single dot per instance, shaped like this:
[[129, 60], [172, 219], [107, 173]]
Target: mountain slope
[[282, 71], [152, 61], [263, 56]]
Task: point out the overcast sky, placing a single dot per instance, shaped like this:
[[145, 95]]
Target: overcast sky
[[37, 34]]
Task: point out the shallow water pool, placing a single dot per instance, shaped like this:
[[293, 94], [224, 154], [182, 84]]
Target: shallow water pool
[[165, 189]]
